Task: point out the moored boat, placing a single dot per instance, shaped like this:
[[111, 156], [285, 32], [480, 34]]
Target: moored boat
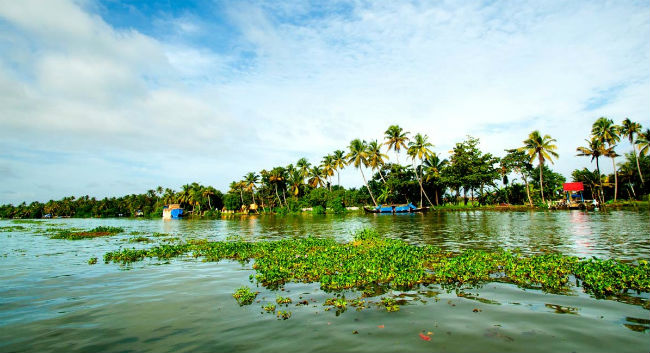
[[408, 208]]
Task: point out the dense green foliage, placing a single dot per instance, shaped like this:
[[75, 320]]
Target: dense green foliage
[[373, 264], [469, 174]]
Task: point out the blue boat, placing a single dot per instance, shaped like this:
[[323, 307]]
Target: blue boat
[[173, 211], [408, 208]]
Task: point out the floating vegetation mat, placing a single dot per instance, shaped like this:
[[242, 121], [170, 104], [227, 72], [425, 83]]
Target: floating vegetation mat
[[374, 265], [93, 233]]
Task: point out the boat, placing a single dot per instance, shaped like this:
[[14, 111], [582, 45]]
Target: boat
[[173, 211], [408, 208]]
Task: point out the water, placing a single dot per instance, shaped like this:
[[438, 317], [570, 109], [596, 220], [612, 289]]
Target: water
[[52, 300]]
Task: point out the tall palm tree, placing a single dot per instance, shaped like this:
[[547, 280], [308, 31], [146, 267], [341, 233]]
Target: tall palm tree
[[376, 158], [316, 175], [295, 181], [208, 193], [277, 177], [251, 179], [327, 166], [303, 165], [339, 163], [643, 141], [396, 139], [420, 148], [432, 167], [543, 149], [358, 156], [594, 150], [629, 129], [605, 130]]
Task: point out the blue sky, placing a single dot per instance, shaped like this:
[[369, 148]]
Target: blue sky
[[106, 98]]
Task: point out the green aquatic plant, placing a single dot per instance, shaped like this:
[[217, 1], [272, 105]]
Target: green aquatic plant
[[140, 240], [390, 304], [374, 265], [92, 261], [284, 315], [270, 307], [281, 300], [93, 233], [244, 295], [12, 228]]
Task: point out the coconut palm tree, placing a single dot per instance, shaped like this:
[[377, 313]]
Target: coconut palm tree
[[396, 139], [316, 175], [594, 150], [431, 168], [358, 156], [303, 165], [208, 193], [251, 179], [420, 148], [277, 177], [327, 166], [376, 158], [543, 149], [339, 163], [629, 129], [295, 181], [643, 141], [605, 130]]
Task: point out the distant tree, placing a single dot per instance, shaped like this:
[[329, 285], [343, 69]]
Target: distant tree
[[396, 139], [541, 148]]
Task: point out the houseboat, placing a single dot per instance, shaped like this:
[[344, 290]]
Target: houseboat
[[173, 211]]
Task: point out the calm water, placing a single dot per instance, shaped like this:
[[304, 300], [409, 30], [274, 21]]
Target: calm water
[[52, 300]]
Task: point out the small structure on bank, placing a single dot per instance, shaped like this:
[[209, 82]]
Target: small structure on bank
[[172, 211], [574, 200]]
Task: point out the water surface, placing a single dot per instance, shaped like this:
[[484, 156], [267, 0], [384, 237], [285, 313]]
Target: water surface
[[52, 300]]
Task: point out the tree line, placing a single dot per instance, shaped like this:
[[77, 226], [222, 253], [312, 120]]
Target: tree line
[[468, 175]]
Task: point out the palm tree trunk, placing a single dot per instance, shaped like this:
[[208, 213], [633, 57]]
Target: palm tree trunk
[[253, 195], [637, 165], [600, 183], [422, 189], [437, 203], [367, 187], [284, 196], [541, 177], [382, 177], [209, 203], [338, 175], [530, 201], [615, 179], [278, 195]]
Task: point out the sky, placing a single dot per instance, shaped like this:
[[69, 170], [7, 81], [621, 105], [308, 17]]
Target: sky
[[108, 98]]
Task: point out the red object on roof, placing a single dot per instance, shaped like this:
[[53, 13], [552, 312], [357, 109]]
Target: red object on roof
[[577, 186]]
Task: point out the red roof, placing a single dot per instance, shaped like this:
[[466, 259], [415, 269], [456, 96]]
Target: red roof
[[577, 186]]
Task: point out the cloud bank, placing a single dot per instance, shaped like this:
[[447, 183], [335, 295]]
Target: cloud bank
[[96, 100]]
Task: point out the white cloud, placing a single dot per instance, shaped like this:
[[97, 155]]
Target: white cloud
[[300, 85]]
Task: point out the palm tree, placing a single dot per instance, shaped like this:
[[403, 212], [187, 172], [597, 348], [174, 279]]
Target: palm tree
[[316, 177], [358, 156], [238, 186], [277, 177], [207, 193], [432, 167], [376, 158], [543, 149], [419, 148], [303, 165], [339, 163], [605, 130], [643, 141], [629, 129], [594, 150], [396, 139], [328, 168], [295, 180], [251, 179]]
